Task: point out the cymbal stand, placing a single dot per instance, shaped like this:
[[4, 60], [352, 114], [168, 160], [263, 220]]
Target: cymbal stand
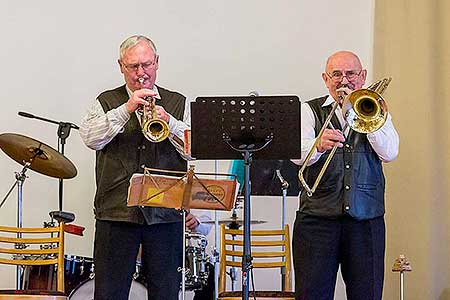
[[20, 179], [284, 188], [63, 133]]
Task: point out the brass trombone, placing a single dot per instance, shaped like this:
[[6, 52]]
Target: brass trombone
[[364, 110]]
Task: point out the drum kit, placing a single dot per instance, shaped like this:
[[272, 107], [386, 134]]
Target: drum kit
[[79, 271]]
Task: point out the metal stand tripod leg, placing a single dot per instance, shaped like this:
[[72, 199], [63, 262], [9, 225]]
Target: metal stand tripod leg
[[183, 268]]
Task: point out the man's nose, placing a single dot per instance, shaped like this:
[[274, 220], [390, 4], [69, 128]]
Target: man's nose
[[344, 80], [140, 70]]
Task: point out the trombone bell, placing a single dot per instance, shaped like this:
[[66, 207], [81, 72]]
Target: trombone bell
[[365, 111]]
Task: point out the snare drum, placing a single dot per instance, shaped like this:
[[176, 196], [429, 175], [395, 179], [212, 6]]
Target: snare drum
[[76, 270], [85, 291], [196, 261]]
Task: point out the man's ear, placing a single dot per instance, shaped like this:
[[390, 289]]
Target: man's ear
[[120, 66], [364, 75], [157, 62]]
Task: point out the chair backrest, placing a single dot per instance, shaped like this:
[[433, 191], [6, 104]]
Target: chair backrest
[[270, 249], [34, 246]]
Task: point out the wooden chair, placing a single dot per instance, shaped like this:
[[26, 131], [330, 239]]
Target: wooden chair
[[45, 246], [267, 252]]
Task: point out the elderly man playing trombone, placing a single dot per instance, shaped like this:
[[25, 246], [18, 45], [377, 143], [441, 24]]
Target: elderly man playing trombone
[[340, 221]]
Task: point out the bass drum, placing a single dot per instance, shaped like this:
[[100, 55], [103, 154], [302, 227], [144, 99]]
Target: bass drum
[[85, 291]]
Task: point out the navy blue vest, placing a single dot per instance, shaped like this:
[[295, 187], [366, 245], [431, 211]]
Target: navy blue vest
[[353, 183], [125, 155]]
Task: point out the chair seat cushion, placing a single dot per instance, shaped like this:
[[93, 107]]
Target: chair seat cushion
[[260, 294]]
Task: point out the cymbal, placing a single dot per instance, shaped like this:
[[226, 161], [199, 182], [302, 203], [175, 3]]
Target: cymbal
[[229, 221], [42, 158]]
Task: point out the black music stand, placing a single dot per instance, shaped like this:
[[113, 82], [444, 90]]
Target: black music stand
[[263, 127]]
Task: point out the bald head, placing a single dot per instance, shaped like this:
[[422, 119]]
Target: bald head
[[343, 69], [340, 57]]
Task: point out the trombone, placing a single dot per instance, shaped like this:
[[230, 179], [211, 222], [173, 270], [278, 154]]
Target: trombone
[[364, 111]]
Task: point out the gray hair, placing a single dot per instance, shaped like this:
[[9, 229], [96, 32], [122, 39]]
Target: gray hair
[[133, 41]]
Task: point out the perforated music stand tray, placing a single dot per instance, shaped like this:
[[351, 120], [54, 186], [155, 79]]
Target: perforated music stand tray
[[262, 127], [246, 121]]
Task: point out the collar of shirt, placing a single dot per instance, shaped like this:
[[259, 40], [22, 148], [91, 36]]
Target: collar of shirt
[[330, 100], [155, 89]]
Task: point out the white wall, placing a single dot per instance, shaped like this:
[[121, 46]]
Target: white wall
[[57, 56]]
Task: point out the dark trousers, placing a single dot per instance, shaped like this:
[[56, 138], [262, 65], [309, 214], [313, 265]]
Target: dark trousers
[[320, 245], [115, 250]]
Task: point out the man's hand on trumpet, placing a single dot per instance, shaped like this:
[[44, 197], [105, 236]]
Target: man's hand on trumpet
[[137, 99]]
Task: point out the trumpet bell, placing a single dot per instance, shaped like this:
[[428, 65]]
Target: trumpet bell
[[155, 130], [365, 110]]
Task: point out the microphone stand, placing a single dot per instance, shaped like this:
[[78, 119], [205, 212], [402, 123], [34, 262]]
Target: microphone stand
[[63, 133], [284, 188]]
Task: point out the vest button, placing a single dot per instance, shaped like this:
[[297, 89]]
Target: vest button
[[347, 207], [347, 166], [347, 187], [143, 147]]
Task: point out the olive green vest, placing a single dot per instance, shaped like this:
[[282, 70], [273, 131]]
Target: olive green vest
[[126, 154]]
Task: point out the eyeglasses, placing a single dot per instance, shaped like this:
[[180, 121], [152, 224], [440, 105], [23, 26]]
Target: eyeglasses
[[146, 66], [337, 76]]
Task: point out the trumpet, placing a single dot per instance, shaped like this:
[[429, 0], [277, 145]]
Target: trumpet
[[154, 129], [364, 111]]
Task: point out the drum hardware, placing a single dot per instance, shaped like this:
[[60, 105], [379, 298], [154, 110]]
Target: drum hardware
[[37, 156], [364, 111], [77, 269], [63, 133], [197, 271]]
